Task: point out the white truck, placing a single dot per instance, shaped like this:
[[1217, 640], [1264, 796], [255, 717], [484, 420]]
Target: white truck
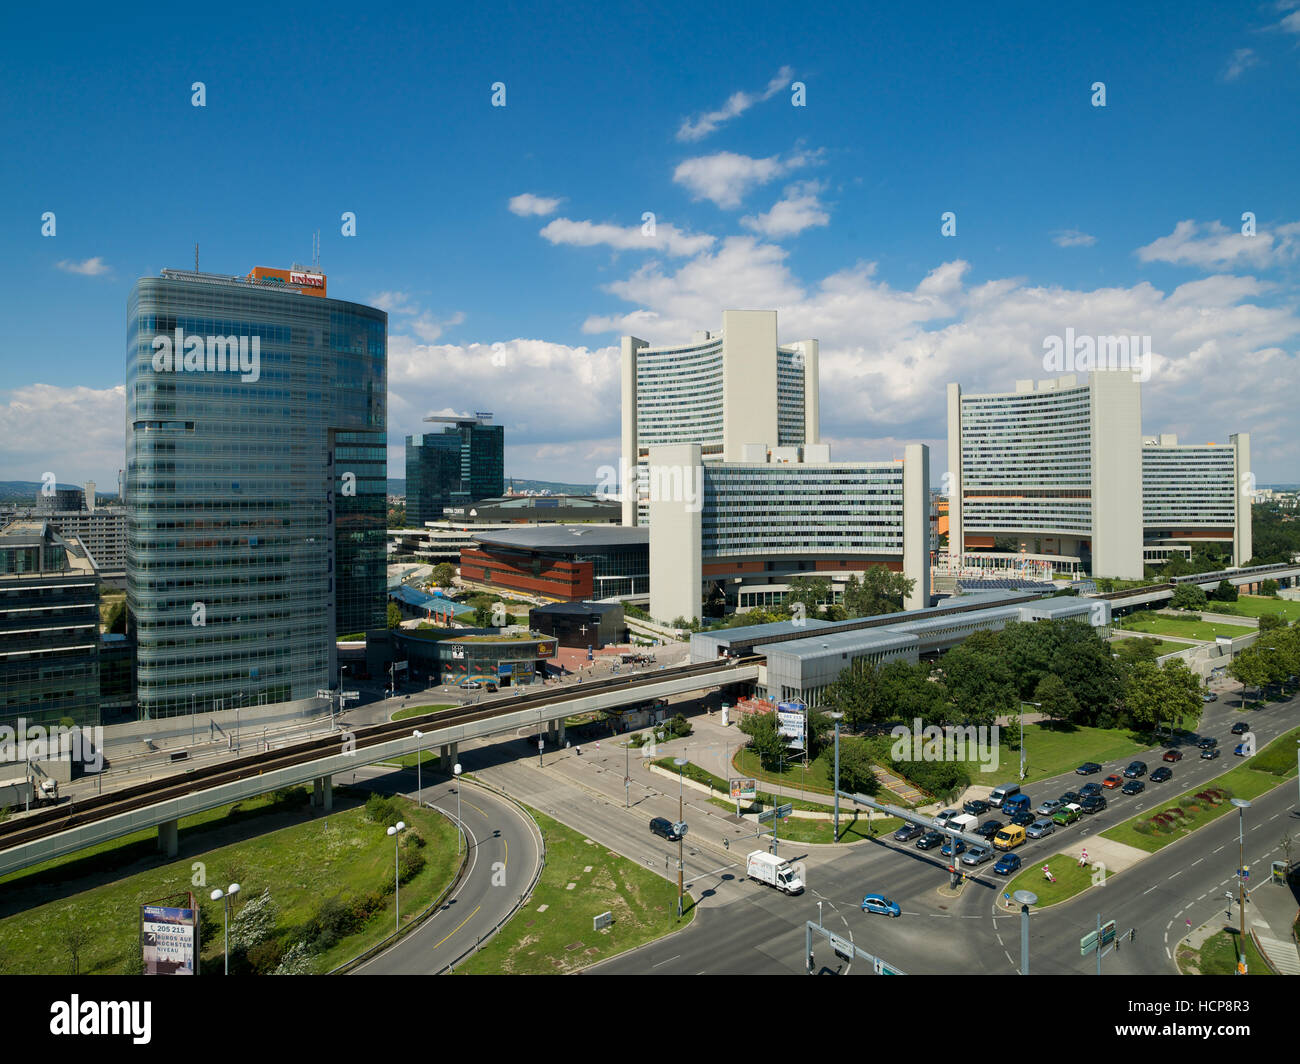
[[22, 791], [772, 870]]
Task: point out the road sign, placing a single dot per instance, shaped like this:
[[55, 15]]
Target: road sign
[[882, 968], [843, 947], [783, 810], [680, 828], [764, 818], [324, 694], [603, 920], [1088, 943], [351, 694]]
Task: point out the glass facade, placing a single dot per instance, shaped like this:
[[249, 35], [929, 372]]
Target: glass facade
[[256, 513], [456, 467]]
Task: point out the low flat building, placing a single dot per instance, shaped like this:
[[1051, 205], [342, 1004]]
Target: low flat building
[[581, 624], [453, 656], [565, 562]]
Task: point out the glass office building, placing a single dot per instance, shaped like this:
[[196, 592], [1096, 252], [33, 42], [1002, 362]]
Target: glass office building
[[456, 467], [256, 483]]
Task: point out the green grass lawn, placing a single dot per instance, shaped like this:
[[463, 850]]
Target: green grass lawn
[[797, 829], [818, 779], [1182, 626], [301, 858], [425, 756], [1071, 879], [1163, 646], [1259, 606], [552, 934], [415, 711], [1218, 956], [1053, 749]]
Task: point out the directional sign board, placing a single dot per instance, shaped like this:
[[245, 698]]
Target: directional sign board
[[324, 694], [784, 810], [764, 818], [842, 946], [1088, 944], [351, 694]]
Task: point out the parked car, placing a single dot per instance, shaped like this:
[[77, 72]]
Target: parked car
[[1134, 786], [1090, 790], [1161, 774], [942, 818], [1007, 864], [1112, 781], [989, 828], [1240, 728], [1015, 805], [1209, 696], [1135, 769], [1172, 755], [1207, 742], [1088, 768], [1094, 804], [1039, 828], [664, 828], [1071, 797], [908, 832], [929, 840], [953, 847], [1067, 814], [976, 807], [1240, 750], [1210, 753], [1024, 819], [976, 855], [1009, 838], [1049, 807], [878, 903], [470, 685]]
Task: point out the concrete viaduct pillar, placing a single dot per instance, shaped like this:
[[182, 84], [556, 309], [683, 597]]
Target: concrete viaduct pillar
[[322, 793], [449, 755], [167, 838]]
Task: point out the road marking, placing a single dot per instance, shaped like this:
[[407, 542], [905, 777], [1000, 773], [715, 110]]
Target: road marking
[[474, 807], [670, 959], [457, 927], [1196, 862]]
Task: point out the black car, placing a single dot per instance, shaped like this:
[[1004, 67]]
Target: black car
[[1134, 786], [976, 807], [930, 840], [1136, 769], [989, 828], [1088, 768], [1024, 819], [1071, 797], [1089, 790], [908, 832], [1094, 804], [664, 828], [1240, 728], [1162, 774], [1207, 742], [1210, 753]]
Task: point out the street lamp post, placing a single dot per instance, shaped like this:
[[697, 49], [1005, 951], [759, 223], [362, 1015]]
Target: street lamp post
[[227, 894], [1023, 703], [1026, 898], [460, 828], [397, 879], [837, 716], [419, 764], [1242, 805], [680, 762]]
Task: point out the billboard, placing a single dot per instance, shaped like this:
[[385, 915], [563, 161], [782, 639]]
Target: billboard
[[310, 280], [790, 721], [169, 940], [743, 790]]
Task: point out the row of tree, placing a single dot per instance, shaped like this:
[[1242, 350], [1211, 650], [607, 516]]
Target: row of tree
[[1273, 658]]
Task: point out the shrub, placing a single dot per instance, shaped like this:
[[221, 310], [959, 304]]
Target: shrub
[[296, 960], [382, 810], [409, 864], [265, 957]]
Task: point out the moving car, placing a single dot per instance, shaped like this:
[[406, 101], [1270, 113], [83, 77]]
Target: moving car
[[976, 855], [989, 828], [1135, 769], [1088, 768], [1111, 782], [953, 847], [1002, 792], [1067, 814], [1090, 790], [1161, 774], [1094, 804], [1240, 750], [1009, 837], [1207, 742], [1007, 864], [664, 828], [1209, 696], [878, 903], [1172, 755], [1039, 828], [470, 685], [976, 807], [1210, 753], [1134, 786], [1071, 797], [1240, 728], [929, 840], [908, 832], [1024, 819], [1049, 807]]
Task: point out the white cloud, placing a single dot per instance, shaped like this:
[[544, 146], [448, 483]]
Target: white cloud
[[666, 238], [800, 209], [726, 177], [1290, 24], [428, 328], [1212, 245], [73, 432], [528, 204], [1072, 238], [738, 103], [393, 302], [1242, 60], [95, 267]]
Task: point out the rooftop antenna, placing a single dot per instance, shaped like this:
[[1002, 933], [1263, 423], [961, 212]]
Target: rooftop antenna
[[315, 251], [196, 256]]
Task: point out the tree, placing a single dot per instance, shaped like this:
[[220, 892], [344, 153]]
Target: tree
[[978, 682], [1131, 651], [482, 610], [1054, 698], [1188, 597], [856, 693], [1250, 668], [394, 615], [253, 923], [763, 738], [1269, 588], [444, 574], [1269, 621], [809, 592], [1225, 592], [879, 591], [75, 937], [856, 768]]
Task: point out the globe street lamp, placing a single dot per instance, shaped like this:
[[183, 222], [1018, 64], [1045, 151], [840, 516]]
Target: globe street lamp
[[837, 716], [460, 827], [397, 879], [1242, 805], [680, 762], [1021, 714], [419, 763], [1025, 898], [227, 894]]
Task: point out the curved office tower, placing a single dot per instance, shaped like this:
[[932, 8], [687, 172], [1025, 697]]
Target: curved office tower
[[256, 485]]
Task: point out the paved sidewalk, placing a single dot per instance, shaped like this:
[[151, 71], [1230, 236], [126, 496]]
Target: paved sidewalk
[[1270, 914]]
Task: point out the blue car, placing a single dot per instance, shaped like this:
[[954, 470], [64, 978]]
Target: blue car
[[1240, 750], [878, 903], [1007, 864], [953, 847]]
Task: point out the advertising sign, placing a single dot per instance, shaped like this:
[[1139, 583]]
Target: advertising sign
[[545, 650], [169, 939], [790, 721], [743, 790], [310, 280]]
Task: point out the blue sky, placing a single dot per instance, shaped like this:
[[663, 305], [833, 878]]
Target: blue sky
[[1117, 219]]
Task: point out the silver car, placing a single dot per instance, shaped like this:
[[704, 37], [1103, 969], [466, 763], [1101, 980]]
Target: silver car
[[1039, 828], [976, 855], [1048, 807]]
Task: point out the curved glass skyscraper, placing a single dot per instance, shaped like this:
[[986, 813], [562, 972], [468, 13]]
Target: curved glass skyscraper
[[256, 482]]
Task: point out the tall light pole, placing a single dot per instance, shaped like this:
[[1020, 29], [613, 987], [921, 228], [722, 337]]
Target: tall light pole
[[419, 764], [460, 828], [1025, 898], [397, 879], [227, 894], [1023, 703], [680, 762], [1242, 805], [341, 668], [837, 716]]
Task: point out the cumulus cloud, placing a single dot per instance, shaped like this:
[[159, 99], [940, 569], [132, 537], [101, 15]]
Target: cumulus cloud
[[738, 103], [664, 237], [726, 177], [1072, 238], [527, 204], [393, 302], [1242, 60], [76, 433], [95, 267], [1212, 245], [800, 209]]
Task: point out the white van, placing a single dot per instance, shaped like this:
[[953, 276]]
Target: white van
[[1002, 793]]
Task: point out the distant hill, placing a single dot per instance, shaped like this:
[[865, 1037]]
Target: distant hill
[[555, 487], [25, 491]]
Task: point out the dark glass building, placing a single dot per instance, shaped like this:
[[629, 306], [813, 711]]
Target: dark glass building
[[256, 479], [458, 466]]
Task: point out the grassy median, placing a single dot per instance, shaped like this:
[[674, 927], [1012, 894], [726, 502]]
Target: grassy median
[[1218, 956]]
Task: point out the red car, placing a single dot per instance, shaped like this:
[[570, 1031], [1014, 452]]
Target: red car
[[1111, 782], [1173, 755]]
